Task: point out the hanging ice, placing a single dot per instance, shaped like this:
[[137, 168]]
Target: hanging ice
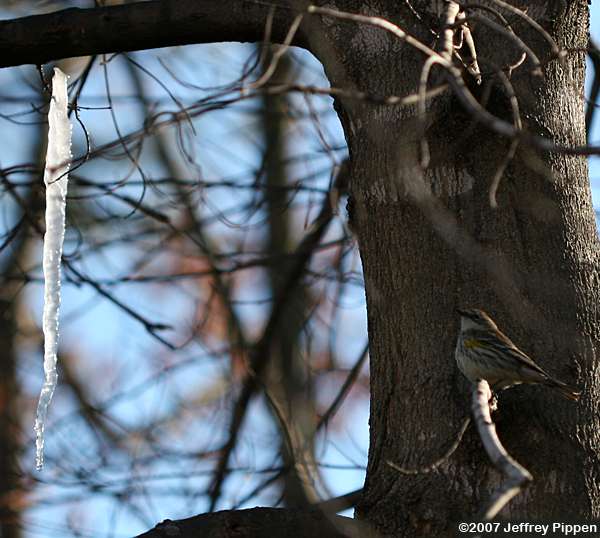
[[58, 160]]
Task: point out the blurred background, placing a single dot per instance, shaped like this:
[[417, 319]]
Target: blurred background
[[206, 232]]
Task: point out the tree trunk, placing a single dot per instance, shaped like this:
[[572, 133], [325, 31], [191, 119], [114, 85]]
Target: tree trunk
[[532, 264]]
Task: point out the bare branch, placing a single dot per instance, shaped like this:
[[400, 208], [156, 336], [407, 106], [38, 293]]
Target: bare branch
[[262, 522], [137, 26], [454, 78], [261, 353], [345, 388], [517, 475], [433, 466]]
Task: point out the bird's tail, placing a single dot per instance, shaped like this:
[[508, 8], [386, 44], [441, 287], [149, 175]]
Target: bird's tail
[[565, 390]]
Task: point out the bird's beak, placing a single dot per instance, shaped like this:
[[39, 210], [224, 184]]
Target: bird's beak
[[461, 311]]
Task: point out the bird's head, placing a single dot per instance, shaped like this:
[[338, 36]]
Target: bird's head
[[474, 318]]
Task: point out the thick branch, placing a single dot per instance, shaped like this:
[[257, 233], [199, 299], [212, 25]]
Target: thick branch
[[262, 522], [143, 25]]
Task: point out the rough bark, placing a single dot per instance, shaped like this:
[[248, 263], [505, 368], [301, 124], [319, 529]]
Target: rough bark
[[532, 263]]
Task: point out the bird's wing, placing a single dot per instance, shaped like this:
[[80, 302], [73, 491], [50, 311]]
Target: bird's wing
[[500, 338]]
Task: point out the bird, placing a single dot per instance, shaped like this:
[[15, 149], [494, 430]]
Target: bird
[[484, 352]]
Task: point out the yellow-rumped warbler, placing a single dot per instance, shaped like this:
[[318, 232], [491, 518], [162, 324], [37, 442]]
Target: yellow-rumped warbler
[[483, 352]]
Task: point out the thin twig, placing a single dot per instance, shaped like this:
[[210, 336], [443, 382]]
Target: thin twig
[[281, 50], [433, 466], [463, 94], [511, 36], [556, 52], [472, 65], [343, 392], [505, 24], [260, 355], [514, 144]]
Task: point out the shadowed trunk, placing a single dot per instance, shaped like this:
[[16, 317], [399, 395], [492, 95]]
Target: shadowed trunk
[[431, 244]]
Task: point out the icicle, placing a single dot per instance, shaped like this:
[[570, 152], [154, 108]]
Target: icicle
[[58, 160]]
